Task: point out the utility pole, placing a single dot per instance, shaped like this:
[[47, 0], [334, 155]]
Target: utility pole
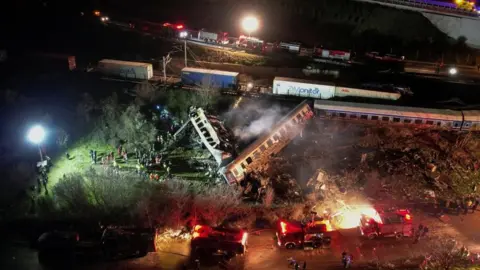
[[185, 49], [166, 60]]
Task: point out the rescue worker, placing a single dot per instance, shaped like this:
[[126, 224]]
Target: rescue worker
[[94, 156], [475, 204], [304, 265], [468, 205], [91, 155]]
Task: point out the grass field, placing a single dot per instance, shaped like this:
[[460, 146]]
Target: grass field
[[80, 161]]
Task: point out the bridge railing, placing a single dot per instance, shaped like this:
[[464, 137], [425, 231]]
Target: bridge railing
[[426, 5]]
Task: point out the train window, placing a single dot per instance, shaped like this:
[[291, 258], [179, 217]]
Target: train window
[[294, 121], [467, 124], [276, 137], [343, 114], [363, 116], [269, 143], [374, 117], [235, 172], [321, 113], [256, 155], [396, 120], [456, 124], [385, 118], [249, 160], [418, 121], [407, 121], [439, 123], [353, 116], [283, 132], [429, 122], [243, 166], [263, 148]]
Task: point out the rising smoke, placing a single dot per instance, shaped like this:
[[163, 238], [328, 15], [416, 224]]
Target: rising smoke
[[254, 119]]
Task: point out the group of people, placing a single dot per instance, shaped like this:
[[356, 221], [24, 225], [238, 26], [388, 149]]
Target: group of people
[[420, 233]]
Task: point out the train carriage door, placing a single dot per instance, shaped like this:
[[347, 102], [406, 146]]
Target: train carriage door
[[457, 124], [467, 125]]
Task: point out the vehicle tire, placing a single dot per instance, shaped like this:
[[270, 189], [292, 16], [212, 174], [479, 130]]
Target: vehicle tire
[[399, 236], [372, 236], [290, 246], [316, 245]]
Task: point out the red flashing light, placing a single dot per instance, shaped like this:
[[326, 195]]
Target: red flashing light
[[167, 24], [180, 26]]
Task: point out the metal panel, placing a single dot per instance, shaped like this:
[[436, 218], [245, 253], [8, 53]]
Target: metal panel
[[355, 92], [292, 87]]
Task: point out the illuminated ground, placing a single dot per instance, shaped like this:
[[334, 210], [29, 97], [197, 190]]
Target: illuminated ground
[[80, 161]]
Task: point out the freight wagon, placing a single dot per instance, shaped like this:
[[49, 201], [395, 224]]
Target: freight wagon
[[209, 78], [302, 88], [322, 90], [126, 69], [341, 91]]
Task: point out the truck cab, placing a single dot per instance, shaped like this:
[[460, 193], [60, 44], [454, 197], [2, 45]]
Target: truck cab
[[292, 235], [208, 240], [392, 223]]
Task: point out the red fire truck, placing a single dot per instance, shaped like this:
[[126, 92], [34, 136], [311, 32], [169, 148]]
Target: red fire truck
[[387, 223], [296, 235], [208, 240]]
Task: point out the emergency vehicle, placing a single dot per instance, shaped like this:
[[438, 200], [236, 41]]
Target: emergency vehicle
[[390, 223], [210, 241], [296, 235]]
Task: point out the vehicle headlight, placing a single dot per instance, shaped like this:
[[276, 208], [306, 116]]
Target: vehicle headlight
[[452, 71]]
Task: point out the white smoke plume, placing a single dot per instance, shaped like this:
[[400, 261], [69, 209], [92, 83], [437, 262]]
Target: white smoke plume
[[253, 120]]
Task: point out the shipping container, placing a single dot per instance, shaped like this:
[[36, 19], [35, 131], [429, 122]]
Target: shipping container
[[207, 36], [341, 91], [126, 69], [209, 78], [303, 88]]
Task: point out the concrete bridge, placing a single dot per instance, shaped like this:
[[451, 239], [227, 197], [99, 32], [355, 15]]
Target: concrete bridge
[[446, 17]]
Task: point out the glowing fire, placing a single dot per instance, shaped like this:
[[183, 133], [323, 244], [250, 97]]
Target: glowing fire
[[349, 216]]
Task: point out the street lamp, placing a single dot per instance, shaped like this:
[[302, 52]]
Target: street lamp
[[36, 135], [250, 24]]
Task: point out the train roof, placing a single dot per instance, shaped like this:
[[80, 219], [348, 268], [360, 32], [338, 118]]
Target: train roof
[[210, 71], [473, 115], [125, 63], [400, 111], [285, 79], [245, 153]]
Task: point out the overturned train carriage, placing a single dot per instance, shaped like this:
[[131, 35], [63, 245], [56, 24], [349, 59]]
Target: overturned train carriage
[[287, 128], [420, 117]]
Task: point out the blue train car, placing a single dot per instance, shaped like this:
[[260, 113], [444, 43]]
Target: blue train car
[[209, 78]]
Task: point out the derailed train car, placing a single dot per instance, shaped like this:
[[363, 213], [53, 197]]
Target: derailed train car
[[287, 128], [411, 116]]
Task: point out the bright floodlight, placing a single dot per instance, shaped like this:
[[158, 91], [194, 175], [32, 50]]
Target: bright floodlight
[[36, 134], [250, 24], [183, 34], [452, 71]]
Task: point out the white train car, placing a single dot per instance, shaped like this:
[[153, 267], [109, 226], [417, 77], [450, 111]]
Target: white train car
[[431, 118], [341, 91], [302, 88], [288, 128]]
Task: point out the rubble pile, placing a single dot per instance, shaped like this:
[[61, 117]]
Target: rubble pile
[[382, 162]]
